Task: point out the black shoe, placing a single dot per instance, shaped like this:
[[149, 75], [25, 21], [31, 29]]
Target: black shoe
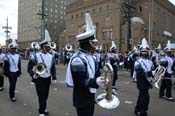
[[1, 88], [170, 99], [163, 97], [46, 112], [143, 114], [13, 99], [137, 113]]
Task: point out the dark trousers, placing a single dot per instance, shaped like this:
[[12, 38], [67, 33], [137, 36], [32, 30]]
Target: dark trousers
[[42, 88], [115, 76], [166, 86], [86, 111], [12, 80], [142, 102], [132, 71], [100, 64], [1, 81]]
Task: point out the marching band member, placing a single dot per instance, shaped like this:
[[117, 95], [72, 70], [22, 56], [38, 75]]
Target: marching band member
[[55, 55], [2, 56], [12, 68], [34, 49], [166, 84], [68, 53], [97, 55], [133, 56], [113, 59], [143, 68], [82, 72], [43, 79], [156, 56]]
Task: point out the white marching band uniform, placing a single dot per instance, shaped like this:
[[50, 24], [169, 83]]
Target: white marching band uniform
[[2, 56]]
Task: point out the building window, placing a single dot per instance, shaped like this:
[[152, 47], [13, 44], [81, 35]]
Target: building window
[[51, 10], [107, 33], [72, 17]]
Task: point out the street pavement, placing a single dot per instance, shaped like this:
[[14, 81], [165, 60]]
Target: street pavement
[[60, 98]]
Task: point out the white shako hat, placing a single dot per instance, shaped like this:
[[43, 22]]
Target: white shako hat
[[144, 47], [113, 46], [168, 46], [46, 40], [90, 30], [13, 44], [135, 48], [159, 47]]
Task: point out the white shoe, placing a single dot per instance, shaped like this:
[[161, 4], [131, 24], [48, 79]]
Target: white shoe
[[114, 92], [32, 83], [41, 115]]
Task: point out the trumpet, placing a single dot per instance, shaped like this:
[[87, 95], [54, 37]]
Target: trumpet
[[107, 100], [159, 73], [39, 69]]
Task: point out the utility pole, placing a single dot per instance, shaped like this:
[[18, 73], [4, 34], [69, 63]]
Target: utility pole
[[42, 14], [129, 26], [7, 30], [128, 11]]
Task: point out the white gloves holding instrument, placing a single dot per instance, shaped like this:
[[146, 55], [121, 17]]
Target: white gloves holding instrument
[[100, 82]]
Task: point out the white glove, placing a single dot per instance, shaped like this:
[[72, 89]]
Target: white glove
[[153, 73], [100, 82]]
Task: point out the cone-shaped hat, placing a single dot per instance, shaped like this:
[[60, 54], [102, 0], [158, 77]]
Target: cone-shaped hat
[[47, 38], [144, 45], [90, 31], [113, 45]]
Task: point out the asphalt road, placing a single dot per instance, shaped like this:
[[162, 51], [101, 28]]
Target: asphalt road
[[60, 98]]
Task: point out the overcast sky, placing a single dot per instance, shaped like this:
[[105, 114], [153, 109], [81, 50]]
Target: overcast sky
[[10, 8]]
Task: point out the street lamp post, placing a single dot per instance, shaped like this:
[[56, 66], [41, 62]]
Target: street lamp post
[[42, 14], [129, 27]]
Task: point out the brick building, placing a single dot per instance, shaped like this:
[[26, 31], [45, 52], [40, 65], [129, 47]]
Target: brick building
[[110, 19]]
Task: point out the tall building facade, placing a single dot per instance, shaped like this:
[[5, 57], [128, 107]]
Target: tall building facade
[[159, 17], [110, 17], [29, 22]]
